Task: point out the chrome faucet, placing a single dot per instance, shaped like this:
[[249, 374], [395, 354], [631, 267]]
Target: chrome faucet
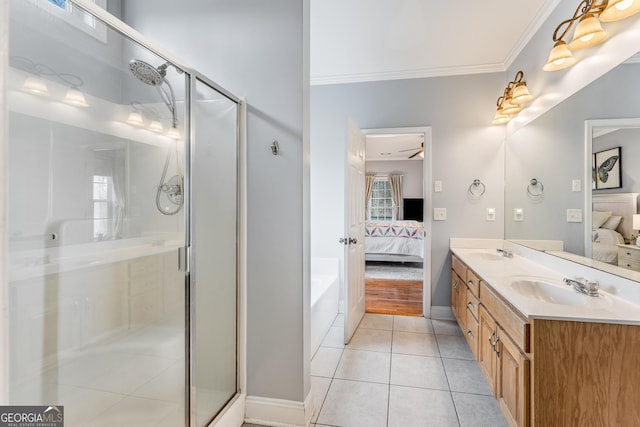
[[580, 284], [505, 253]]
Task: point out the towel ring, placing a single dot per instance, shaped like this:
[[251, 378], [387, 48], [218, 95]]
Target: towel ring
[[535, 188], [477, 188]]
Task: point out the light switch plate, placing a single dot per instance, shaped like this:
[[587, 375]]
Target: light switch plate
[[437, 186], [491, 214], [574, 215], [439, 214], [576, 185], [518, 214]]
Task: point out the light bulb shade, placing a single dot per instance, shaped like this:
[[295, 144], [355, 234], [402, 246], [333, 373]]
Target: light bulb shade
[[619, 9], [75, 97], [521, 94], [155, 126], [636, 221], [508, 108], [135, 119], [500, 119], [35, 85], [560, 57], [588, 33], [173, 133]]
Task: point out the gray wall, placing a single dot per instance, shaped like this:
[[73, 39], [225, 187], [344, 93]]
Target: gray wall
[[255, 49], [465, 146], [629, 142], [551, 148], [411, 172]]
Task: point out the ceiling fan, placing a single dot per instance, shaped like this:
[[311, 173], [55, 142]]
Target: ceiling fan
[[417, 153]]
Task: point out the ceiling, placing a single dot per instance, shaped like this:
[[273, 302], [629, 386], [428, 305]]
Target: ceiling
[[368, 40], [393, 146]]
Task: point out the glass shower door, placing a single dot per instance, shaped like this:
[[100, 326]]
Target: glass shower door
[[96, 221], [214, 243]]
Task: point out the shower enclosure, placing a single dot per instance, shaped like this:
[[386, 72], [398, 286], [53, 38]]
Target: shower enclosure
[[122, 225]]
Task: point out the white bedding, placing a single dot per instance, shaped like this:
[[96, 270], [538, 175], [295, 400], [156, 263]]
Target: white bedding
[[605, 245], [404, 238]]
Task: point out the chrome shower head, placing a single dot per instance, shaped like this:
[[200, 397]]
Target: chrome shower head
[[147, 73]]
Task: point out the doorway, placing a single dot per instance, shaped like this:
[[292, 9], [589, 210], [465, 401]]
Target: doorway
[[397, 232]]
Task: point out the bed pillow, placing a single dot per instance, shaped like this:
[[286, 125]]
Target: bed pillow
[[612, 223], [608, 237], [598, 218]]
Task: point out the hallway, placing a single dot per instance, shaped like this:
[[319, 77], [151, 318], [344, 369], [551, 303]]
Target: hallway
[[400, 371]]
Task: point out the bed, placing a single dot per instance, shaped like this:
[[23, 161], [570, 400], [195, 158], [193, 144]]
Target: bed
[[611, 224], [394, 241]]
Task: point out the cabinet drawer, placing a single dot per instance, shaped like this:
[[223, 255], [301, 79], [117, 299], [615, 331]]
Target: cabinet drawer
[[629, 254], [459, 267], [472, 303], [473, 282], [513, 323], [471, 332]]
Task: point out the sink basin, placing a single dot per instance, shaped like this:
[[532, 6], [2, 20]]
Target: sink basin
[[486, 256], [541, 290]]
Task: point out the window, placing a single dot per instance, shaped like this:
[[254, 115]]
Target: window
[[75, 16], [381, 202], [103, 215]]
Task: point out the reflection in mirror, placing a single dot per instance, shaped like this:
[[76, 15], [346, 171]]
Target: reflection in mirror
[[555, 150]]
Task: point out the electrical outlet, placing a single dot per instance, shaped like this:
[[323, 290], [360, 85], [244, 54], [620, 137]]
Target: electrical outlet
[[437, 186], [439, 214], [574, 215], [491, 214], [518, 214], [576, 185]]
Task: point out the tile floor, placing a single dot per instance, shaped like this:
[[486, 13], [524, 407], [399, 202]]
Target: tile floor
[[400, 371]]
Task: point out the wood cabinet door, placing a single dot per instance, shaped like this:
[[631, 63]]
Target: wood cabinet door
[[486, 354], [455, 282], [512, 381]]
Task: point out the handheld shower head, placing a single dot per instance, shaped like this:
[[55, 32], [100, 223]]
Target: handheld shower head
[[147, 73]]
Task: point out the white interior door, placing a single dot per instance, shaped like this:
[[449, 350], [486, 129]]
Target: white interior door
[[354, 230]]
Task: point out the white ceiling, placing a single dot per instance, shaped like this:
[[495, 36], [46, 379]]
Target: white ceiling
[[366, 40], [393, 146]]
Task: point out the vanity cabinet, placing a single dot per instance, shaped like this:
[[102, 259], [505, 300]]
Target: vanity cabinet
[[553, 372], [499, 337]]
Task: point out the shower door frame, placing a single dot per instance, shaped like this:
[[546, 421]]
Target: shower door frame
[[232, 414]]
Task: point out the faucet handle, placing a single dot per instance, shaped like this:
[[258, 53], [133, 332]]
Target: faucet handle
[[593, 286]]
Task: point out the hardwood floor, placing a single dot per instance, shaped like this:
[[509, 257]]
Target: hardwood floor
[[400, 297]]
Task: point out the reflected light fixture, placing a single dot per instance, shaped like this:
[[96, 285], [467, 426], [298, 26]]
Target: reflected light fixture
[[36, 85], [76, 98], [588, 31], [155, 126], [135, 119], [173, 133], [510, 103]]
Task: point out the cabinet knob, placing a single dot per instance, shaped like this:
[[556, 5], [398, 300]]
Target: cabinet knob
[[470, 283], [491, 336], [470, 333], [470, 305]]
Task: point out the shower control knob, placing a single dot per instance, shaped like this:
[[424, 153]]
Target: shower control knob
[[343, 241], [352, 241]]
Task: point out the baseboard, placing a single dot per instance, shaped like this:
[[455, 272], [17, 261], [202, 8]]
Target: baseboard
[[232, 415], [442, 312], [278, 412]]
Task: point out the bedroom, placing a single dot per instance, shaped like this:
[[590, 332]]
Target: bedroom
[[394, 232]]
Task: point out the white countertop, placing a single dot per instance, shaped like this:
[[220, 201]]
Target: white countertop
[[501, 272], [43, 262]]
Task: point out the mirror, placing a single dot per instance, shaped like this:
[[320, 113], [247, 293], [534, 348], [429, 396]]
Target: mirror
[[556, 151]]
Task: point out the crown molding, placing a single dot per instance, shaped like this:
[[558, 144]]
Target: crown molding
[[407, 74], [541, 17]]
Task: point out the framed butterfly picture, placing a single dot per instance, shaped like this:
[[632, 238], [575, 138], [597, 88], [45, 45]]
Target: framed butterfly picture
[[607, 170]]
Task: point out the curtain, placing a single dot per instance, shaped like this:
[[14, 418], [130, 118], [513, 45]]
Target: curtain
[[396, 194], [367, 192]]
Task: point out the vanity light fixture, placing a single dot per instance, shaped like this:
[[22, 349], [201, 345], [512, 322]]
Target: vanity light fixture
[[588, 31], [75, 97], [173, 133], [156, 126], [510, 103], [36, 85], [135, 119]]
